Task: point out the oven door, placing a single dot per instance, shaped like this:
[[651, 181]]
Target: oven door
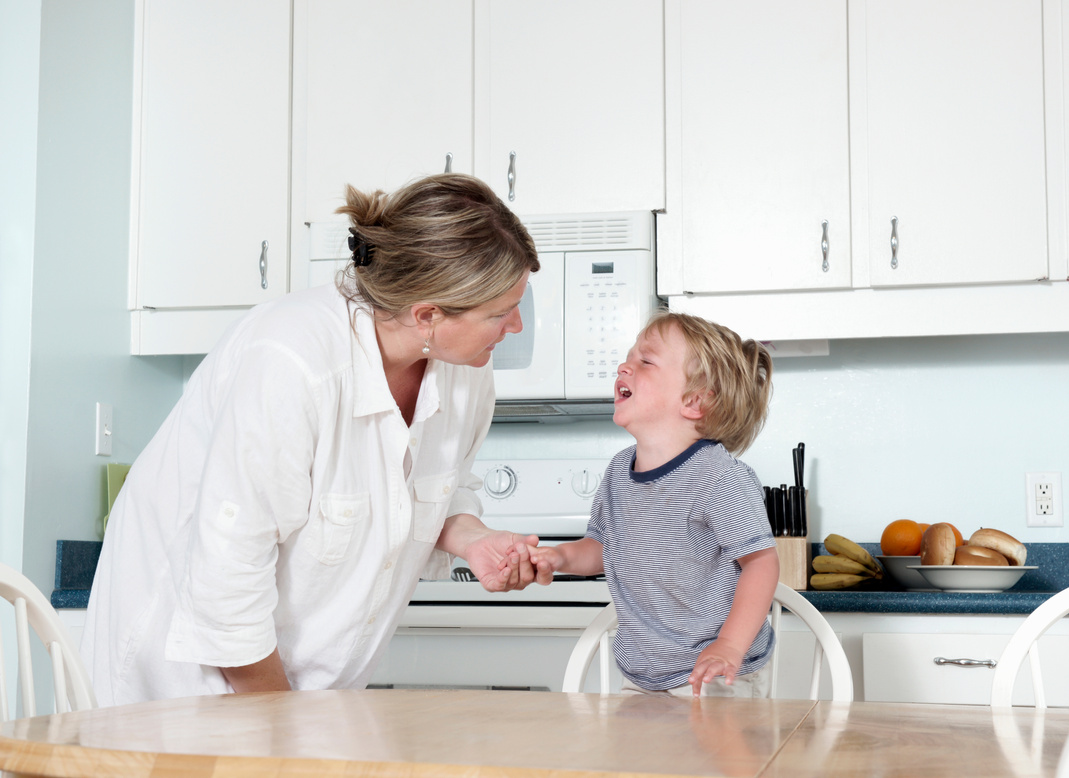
[[529, 365]]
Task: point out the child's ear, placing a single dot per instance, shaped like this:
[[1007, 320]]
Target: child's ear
[[692, 407]]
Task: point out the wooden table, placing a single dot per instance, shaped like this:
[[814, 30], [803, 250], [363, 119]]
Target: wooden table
[[506, 734]]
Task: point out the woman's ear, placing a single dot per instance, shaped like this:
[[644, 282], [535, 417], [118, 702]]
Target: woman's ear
[[426, 316]]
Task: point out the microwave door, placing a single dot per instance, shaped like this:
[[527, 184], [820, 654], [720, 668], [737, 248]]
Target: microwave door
[[529, 365]]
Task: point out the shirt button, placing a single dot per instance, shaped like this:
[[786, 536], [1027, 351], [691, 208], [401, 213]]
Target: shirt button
[[412, 442], [445, 490], [387, 566], [347, 512], [229, 512], [371, 620]]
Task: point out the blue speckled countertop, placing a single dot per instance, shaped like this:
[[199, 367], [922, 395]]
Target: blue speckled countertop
[[76, 563], [1052, 575]]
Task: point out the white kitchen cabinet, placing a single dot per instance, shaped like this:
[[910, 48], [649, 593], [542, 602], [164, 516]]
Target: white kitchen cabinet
[[765, 179], [210, 173], [570, 102], [953, 112], [918, 668], [383, 94], [956, 131]]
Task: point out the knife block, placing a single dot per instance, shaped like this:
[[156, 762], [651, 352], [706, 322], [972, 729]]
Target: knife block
[[795, 557]]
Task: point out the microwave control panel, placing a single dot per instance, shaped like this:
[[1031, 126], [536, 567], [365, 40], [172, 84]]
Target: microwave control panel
[[608, 297]]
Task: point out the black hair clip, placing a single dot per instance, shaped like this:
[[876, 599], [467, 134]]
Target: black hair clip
[[362, 250]]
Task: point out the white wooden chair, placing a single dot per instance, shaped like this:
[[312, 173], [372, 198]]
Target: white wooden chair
[[1024, 642], [595, 642], [33, 612]]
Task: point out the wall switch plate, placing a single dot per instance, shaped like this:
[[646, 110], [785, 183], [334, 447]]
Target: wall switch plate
[[103, 430], [1043, 499]]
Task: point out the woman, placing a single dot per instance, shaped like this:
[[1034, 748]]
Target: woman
[[318, 464]]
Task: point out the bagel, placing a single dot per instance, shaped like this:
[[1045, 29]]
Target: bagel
[[979, 555], [938, 544], [1007, 545]]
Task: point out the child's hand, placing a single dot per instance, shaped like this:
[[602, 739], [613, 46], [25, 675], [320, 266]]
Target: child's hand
[[715, 659], [546, 561]]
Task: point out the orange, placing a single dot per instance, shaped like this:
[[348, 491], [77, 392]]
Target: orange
[[902, 537], [923, 527], [958, 539]]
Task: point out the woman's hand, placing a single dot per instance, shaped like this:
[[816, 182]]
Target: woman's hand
[[502, 560]]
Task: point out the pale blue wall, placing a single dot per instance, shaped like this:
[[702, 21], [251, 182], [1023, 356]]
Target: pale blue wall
[[934, 429], [80, 325]]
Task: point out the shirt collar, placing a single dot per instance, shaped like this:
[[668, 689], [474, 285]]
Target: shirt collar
[[371, 392]]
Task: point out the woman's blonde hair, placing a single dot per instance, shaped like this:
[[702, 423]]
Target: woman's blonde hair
[[732, 378], [445, 239]]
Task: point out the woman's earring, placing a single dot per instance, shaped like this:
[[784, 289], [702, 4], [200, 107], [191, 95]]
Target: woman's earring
[[426, 346]]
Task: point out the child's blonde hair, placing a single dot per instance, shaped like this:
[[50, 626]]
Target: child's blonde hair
[[731, 376]]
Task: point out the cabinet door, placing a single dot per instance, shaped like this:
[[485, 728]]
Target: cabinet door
[[388, 89], [211, 153], [765, 151], [575, 89], [954, 118]]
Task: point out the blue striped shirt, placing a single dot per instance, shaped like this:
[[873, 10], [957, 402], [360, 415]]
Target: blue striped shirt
[[671, 538]]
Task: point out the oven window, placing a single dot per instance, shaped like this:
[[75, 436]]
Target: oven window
[[516, 351]]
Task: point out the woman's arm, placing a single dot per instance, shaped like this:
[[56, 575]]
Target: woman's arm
[[267, 675], [749, 609], [500, 560]]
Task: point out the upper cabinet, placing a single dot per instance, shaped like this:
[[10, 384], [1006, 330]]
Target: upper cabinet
[[383, 95], [861, 168], [210, 183], [953, 122], [558, 105], [764, 180], [570, 104]]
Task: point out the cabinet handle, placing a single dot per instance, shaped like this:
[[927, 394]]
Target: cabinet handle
[[966, 662], [263, 265], [824, 246], [894, 243], [449, 162], [512, 176]]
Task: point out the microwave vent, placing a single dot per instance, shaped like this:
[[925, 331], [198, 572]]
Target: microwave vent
[[591, 232]]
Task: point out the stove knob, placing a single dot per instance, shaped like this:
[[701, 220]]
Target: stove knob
[[500, 482], [585, 483]]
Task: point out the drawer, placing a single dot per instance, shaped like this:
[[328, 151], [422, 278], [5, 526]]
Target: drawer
[[903, 668]]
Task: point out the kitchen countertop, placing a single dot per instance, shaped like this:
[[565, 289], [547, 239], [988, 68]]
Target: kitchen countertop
[[76, 562], [884, 596]]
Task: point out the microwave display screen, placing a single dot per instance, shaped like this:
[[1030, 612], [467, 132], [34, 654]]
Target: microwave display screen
[[597, 268]]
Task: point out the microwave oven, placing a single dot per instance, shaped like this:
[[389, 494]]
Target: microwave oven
[[581, 311]]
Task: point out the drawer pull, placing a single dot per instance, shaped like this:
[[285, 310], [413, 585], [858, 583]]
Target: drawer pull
[[894, 243], [512, 176], [449, 169], [939, 660]]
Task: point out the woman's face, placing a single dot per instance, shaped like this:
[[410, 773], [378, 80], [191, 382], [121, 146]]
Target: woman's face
[[469, 337]]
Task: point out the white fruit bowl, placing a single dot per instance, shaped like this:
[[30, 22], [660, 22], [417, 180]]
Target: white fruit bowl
[[898, 567], [971, 578]]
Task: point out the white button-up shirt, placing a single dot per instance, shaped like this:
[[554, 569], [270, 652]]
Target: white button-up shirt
[[285, 502]]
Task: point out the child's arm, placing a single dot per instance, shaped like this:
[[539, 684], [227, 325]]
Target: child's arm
[[753, 596], [577, 557]]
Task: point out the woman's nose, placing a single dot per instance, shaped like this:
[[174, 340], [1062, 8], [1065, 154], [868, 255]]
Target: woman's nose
[[514, 323]]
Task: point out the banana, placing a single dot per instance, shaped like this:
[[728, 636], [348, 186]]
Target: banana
[[837, 544], [840, 564], [836, 580]]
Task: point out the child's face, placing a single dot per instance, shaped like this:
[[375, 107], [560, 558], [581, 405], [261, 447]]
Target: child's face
[[650, 383]]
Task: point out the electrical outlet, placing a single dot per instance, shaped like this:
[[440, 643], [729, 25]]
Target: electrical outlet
[[103, 430], [1043, 499]]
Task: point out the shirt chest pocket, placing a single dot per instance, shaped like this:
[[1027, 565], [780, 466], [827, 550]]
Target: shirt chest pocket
[[433, 495], [342, 523]]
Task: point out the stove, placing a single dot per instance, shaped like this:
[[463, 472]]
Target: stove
[[455, 634]]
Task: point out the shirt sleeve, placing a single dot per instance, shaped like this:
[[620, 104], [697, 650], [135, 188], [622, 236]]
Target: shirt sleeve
[[254, 490], [736, 513], [465, 499]]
